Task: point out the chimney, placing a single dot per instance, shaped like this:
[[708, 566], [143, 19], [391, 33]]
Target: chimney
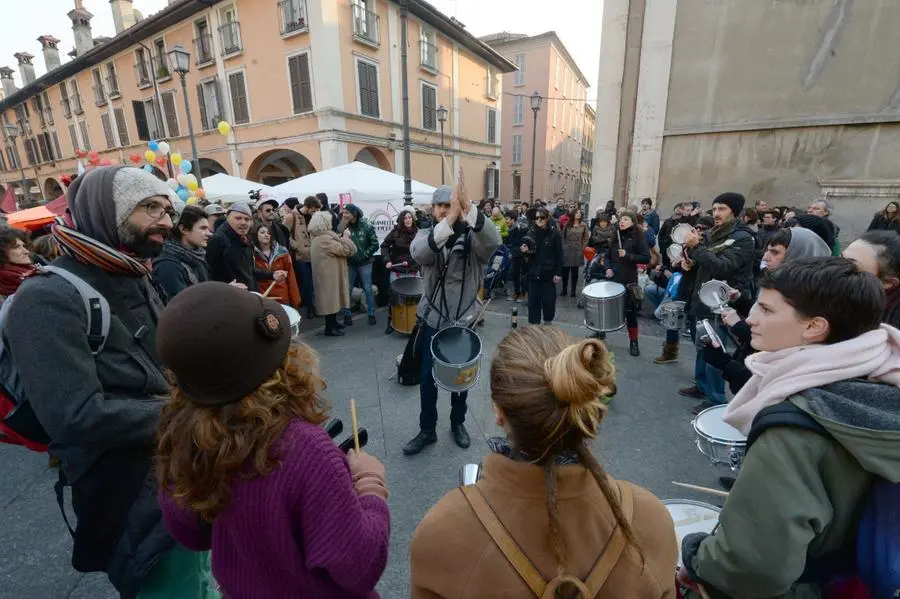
[[123, 14], [81, 27], [6, 78], [26, 69], [50, 50]]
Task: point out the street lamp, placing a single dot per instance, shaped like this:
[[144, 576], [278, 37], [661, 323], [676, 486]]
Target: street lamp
[[13, 132], [536, 100], [442, 118], [180, 62]]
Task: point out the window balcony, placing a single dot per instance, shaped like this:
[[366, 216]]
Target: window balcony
[[112, 83], [230, 36], [67, 108], [142, 74], [77, 108], [162, 73], [366, 25], [293, 16], [429, 56], [203, 50], [99, 95]]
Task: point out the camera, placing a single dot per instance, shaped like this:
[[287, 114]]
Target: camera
[[254, 194]]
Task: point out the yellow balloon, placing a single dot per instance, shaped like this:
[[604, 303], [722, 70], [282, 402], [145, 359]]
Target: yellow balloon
[[175, 158], [150, 155], [192, 200], [192, 185], [224, 127]]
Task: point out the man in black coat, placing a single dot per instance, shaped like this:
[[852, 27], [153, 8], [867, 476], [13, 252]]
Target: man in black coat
[[230, 252], [543, 246], [267, 210]]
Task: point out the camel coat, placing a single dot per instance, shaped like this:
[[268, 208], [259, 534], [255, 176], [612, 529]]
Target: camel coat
[[453, 557], [329, 252]]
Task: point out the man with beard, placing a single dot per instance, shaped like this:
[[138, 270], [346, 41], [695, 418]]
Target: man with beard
[[230, 252], [100, 404], [267, 211], [726, 253]]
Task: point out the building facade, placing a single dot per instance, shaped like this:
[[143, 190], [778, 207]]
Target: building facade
[[306, 86], [813, 111], [543, 65]]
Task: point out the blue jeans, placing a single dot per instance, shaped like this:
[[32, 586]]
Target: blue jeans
[[428, 391], [655, 294], [364, 272], [709, 378]]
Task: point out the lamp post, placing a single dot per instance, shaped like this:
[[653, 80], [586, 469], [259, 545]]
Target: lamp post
[[442, 118], [12, 132], [180, 62], [536, 100]]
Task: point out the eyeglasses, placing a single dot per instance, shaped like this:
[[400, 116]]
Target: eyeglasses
[[539, 217], [157, 210]]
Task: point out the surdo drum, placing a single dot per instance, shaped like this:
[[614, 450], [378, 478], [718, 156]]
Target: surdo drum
[[456, 352], [405, 295], [604, 306]]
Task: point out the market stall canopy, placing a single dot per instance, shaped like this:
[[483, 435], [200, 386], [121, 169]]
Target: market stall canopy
[[32, 218], [225, 189], [358, 183]]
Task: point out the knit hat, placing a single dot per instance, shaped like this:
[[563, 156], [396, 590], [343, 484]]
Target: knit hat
[[818, 225], [130, 187], [240, 207], [213, 210], [733, 200], [442, 195], [221, 342]]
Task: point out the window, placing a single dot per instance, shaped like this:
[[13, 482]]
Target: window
[[56, 149], [517, 185], [517, 149], [162, 69], [107, 130], [428, 47], [490, 83], [240, 108], [76, 99], [519, 110], [293, 16], [301, 87], [491, 183], [99, 93], [145, 119], [30, 151], [46, 150], [85, 136], [48, 111], [365, 22], [203, 53], [2, 163], [367, 81], [520, 69], [112, 80], [429, 107], [74, 137], [141, 68], [491, 126], [208, 94], [67, 106], [171, 115], [229, 31], [38, 109], [121, 126]]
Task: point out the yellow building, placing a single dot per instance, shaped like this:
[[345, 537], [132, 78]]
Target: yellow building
[[306, 85]]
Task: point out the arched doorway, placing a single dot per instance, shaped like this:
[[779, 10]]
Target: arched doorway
[[52, 189], [209, 167], [277, 166], [373, 157]]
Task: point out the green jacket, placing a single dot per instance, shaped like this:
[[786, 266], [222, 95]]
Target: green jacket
[[800, 494], [364, 237]]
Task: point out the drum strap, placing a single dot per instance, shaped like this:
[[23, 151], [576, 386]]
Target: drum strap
[[529, 573]]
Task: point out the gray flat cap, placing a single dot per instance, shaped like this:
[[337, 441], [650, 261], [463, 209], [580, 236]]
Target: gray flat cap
[[241, 207], [214, 210], [442, 195]]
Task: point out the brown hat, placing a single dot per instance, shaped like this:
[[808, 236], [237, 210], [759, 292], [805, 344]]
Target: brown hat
[[221, 342]]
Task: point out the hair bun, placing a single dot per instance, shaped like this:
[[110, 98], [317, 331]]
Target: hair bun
[[581, 373]]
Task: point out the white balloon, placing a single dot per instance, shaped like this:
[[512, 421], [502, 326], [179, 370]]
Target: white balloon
[[163, 148], [189, 178], [172, 183], [183, 179]]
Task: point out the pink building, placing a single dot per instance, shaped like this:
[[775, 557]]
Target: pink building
[[545, 67]]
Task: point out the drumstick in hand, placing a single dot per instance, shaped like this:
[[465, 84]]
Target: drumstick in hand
[[355, 427], [266, 294]]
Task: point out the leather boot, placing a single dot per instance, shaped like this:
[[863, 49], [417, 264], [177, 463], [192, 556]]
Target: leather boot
[[460, 435], [418, 443], [633, 348], [669, 354]]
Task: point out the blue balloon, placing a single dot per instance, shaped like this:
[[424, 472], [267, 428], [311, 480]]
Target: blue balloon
[[183, 194], [148, 168], [153, 145], [186, 166]]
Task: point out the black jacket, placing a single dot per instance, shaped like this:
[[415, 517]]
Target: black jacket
[[729, 257], [175, 271], [395, 247], [883, 224], [230, 258], [515, 240], [664, 239], [545, 253], [280, 234], [634, 242], [732, 366]]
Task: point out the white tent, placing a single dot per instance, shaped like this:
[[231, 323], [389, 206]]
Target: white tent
[[225, 189], [363, 183]]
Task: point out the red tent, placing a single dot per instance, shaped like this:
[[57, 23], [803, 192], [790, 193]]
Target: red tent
[[37, 217], [8, 205], [58, 206]]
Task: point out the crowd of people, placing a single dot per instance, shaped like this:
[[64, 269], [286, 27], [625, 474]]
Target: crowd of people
[[188, 419]]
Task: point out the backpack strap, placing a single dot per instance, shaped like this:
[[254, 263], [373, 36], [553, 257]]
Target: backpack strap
[[504, 541], [96, 306], [782, 414], [614, 548]]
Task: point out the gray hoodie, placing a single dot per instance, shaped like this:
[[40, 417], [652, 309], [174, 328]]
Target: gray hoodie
[[805, 244]]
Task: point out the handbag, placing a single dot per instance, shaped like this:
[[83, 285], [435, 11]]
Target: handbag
[[411, 359]]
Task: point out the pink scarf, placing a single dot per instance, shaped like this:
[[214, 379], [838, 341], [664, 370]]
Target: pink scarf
[[778, 375]]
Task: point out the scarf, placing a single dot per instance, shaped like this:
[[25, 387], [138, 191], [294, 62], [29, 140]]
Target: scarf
[[502, 446], [720, 233], [778, 375], [88, 250], [12, 275], [193, 257], [276, 251]]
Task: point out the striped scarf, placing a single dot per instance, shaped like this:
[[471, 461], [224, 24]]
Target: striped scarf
[[90, 251]]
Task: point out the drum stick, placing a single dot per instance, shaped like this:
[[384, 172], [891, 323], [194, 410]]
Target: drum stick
[[703, 489], [355, 427], [446, 166], [483, 308], [271, 286]]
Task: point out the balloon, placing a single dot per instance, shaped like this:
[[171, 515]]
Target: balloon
[[186, 166], [135, 158], [201, 193], [192, 200], [192, 185], [190, 179], [148, 168], [153, 145], [150, 155], [106, 163], [183, 194], [163, 148], [182, 179], [175, 158], [224, 127], [161, 160], [172, 183]]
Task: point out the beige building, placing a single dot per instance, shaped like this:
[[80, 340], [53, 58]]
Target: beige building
[[543, 66], [306, 84], [782, 101]]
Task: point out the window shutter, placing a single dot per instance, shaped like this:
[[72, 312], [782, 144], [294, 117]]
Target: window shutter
[[301, 88], [496, 183], [73, 137], [168, 102], [373, 90], [487, 183], [363, 75], [140, 120], [492, 126], [121, 127], [57, 153], [42, 144], [85, 137], [240, 110], [203, 122], [428, 109], [305, 84], [107, 130]]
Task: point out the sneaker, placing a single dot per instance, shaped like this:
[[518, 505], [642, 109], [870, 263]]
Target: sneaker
[[693, 392]]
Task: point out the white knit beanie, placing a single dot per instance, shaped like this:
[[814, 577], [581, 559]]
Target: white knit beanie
[[131, 186]]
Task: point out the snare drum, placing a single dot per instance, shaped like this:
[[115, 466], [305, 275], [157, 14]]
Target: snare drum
[[405, 295], [671, 315], [294, 317], [718, 440], [691, 516]]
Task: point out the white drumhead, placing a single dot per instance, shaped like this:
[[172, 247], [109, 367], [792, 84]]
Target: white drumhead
[[690, 517], [674, 251], [710, 423], [293, 315], [680, 232], [603, 289]]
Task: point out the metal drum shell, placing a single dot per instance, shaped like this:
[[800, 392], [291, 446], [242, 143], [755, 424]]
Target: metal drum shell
[[604, 306], [720, 450], [294, 317], [456, 377], [673, 317], [705, 518]]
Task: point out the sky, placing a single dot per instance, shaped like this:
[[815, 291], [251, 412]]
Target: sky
[[577, 22]]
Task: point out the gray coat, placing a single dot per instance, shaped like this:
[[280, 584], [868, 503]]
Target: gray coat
[[466, 268], [574, 240]]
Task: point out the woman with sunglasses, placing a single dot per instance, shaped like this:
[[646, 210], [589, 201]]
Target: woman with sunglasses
[[543, 246]]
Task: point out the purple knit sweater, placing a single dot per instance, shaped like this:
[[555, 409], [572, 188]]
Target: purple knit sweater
[[301, 531]]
